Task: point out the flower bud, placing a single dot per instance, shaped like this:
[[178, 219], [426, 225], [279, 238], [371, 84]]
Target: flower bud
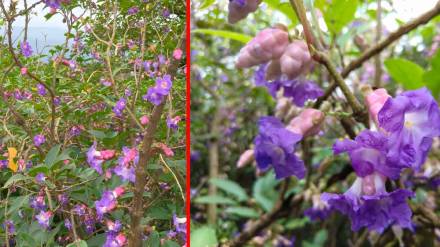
[[375, 101], [269, 44], [246, 158], [296, 59], [307, 123], [239, 9], [23, 71]]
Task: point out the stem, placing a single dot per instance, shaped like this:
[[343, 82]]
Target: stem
[[377, 62], [144, 158], [379, 47]]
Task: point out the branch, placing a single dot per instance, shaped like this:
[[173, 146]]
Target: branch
[[145, 156], [379, 47]]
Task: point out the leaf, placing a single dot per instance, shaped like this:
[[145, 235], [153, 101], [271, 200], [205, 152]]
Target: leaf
[[230, 187], [409, 74], [17, 203], [170, 243], [51, 157], [339, 13], [225, 34], [206, 4], [214, 200], [98, 134], [432, 76], [38, 169], [284, 8], [14, 179], [264, 191], [80, 243], [12, 153], [204, 237], [153, 240], [244, 212]]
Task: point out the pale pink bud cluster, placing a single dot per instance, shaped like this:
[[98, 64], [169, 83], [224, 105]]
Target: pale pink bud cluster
[[307, 123], [375, 101], [269, 44], [246, 158], [272, 45], [239, 9], [296, 59]]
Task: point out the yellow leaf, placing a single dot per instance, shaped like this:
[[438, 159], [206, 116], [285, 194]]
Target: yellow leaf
[[12, 153]]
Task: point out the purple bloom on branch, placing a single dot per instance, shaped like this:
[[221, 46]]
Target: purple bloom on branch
[[56, 4], [367, 204], [125, 172], [39, 140], [93, 160], [38, 203], [153, 96], [275, 146], [43, 218], [411, 119], [26, 49], [133, 10], [40, 178], [119, 107], [302, 90], [41, 89], [8, 224], [106, 204], [368, 154]]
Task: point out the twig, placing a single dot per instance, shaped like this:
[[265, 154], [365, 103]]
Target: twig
[[174, 175], [377, 62], [379, 47], [145, 156]]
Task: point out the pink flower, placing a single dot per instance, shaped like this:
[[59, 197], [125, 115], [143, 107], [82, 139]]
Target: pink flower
[[307, 123], [375, 100], [246, 158], [177, 54], [107, 154], [144, 120], [23, 71], [268, 44], [166, 150]]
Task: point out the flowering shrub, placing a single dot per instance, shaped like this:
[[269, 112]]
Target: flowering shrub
[[303, 149], [92, 134]]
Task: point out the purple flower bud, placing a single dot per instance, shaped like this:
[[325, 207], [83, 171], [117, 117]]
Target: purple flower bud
[[26, 49], [41, 89], [133, 10], [40, 178]]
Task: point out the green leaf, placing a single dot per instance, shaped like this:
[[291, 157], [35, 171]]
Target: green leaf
[[264, 191], [38, 169], [170, 243], [80, 243], [432, 76], [225, 34], [284, 8], [339, 13], [214, 200], [98, 134], [297, 223], [206, 4], [51, 157], [14, 179], [244, 212], [204, 237], [153, 240], [409, 74], [17, 202], [230, 187]]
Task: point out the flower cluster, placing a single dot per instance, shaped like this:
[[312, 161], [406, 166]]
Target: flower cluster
[[162, 88], [403, 141], [108, 201]]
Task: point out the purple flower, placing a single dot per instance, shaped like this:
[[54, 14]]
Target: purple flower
[[3, 164], [38, 203], [53, 3], [133, 10], [127, 92], [57, 101], [164, 85], [26, 49], [114, 227], [106, 204], [119, 107], [126, 173], [172, 123], [153, 96], [93, 158], [166, 13], [368, 154], [8, 224], [63, 199], [39, 140], [320, 209], [147, 65], [90, 222], [40, 178], [75, 131], [367, 204], [43, 218], [298, 90], [79, 209], [411, 119], [179, 224], [68, 224], [128, 155], [275, 145], [105, 82], [115, 240], [302, 90], [41, 89]]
